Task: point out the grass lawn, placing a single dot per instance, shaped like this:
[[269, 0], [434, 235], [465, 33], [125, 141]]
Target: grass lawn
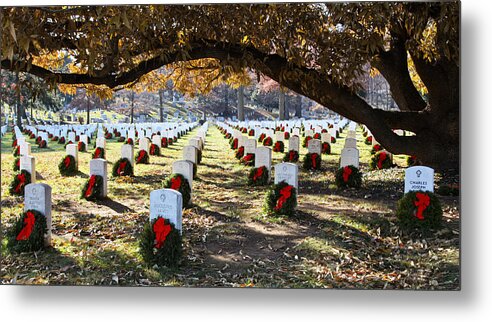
[[337, 239]]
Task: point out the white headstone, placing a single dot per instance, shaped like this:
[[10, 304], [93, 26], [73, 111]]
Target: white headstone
[[127, 152], [101, 142], [37, 197], [250, 146], [28, 163], [167, 203], [325, 138], [419, 178], [71, 136], [25, 148], [263, 157], [294, 143], [287, 172], [72, 149], [350, 143], [185, 168], [279, 136], [190, 153], [156, 139], [99, 167], [143, 144], [349, 156], [314, 146]]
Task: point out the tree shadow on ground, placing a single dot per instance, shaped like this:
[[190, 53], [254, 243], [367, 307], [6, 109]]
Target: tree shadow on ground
[[114, 205]]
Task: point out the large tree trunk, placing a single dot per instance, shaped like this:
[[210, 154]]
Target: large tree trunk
[[161, 109], [281, 104], [88, 110], [240, 103], [132, 100], [299, 106]]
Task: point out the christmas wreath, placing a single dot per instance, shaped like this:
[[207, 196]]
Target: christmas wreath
[[14, 143], [305, 141], [381, 160], [169, 141], [122, 167], [262, 137], [20, 181], [77, 138], [412, 161], [98, 153], [32, 136], [348, 176], [368, 140], [16, 166], [142, 157], [376, 148], [279, 147], [286, 135], [129, 141], [248, 159], [419, 209], [108, 136], [38, 139], [251, 132], [240, 152], [258, 176], [121, 139], [291, 156], [325, 148], [61, 140], [244, 130], [42, 144], [228, 135], [154, 150], [234, 143], [281, 200], [267, 141], [311, 161], [324, 131], [179, 183], [27, 233], [337, 133], [92, 189], [163, 142], [333, 140], [16, 151], [50, 135], [54, 138], [160, 243], [317, 136], [81, 146], [68, 166]]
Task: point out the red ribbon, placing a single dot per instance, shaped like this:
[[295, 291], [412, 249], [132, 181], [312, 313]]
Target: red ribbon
[[66, 161], [346, 173], [285, 194], [28, 227], [382, 157], [152, 149], [248, 158], [22, 181], [422, 202], [141, 154], [90, 186], [97, 153], [175, 183], [291, 155], [235, 143], [258, 173], [161, 231], [121, 167], [313, 159]]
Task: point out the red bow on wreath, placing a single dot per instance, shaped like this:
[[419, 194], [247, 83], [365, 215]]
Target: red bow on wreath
[[382, 157], [66, 162], [28, 227], [22, 182], [258, 173], [285, 194], [313, 159], [121, 167], [141, 154], [90, 186], [248, 158], [152, 149], [291, 155], [97, 153], [346, 173], [422, 202], [161, 231], [175, 183]]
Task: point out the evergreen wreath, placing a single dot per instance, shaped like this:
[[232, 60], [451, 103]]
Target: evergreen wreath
[[32, 136], [27, 233], [68, 166], [14, 143], [286, 135], [154, 150], [42, 144], [280, 200], [324, 131], [348, 176], [381, 160], [50, 135], [99, 153], [92, 189], [160, 243], [291, 156], [228, 135], [248, 159], [122, 167], [311, 161], [170, 141], [368, 140], [77, 138], [179, 183], [317, 136], [38, 139], [240, 152], [16, 165], [419, 210], [333, 140], [376, 148], [261, 137], [251, 132], [81, 146], [279, 147], [267, 141], [258, 176], [121, 139], [305, 141], [16, 151], [61, 140], [54, 138], [163, 142], [325, 148], [20, 181], [142, 157], [108, 136], [234, 143], [129, 141]]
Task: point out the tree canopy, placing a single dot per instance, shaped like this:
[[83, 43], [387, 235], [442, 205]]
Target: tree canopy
[[317, 50]]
